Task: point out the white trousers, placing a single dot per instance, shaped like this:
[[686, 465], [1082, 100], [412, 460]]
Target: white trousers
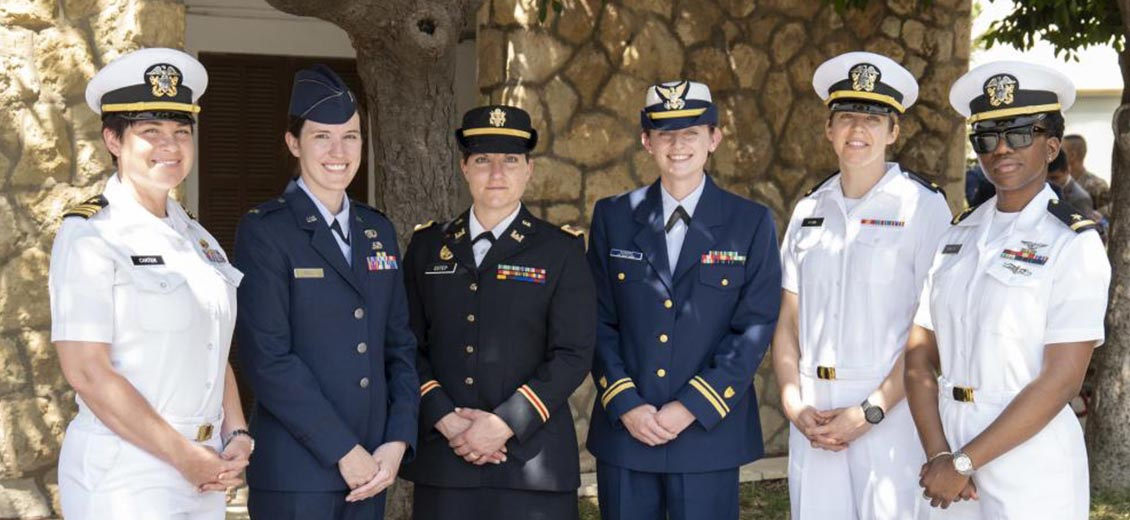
[[875, 478], [1044, 478], [104, 477]]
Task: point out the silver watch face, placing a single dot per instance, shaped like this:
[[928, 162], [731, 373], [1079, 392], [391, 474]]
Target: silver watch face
[[962, 463]]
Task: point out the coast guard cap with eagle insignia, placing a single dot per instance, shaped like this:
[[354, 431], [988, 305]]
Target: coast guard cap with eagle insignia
[[145, 84], [1011, 90], [678, 104], [496, 129], [320, 95], [865, 82]]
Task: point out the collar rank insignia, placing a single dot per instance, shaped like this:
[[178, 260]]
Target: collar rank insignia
[[311, 218], [723, 258], [863, 77], [459, 234], [518, 237], [497, 117], [1026, 254], [526, 223], [882, 223], [164, 79], [520, 273], [382, 261], [673, 96], [1001, 89], [445, 254]]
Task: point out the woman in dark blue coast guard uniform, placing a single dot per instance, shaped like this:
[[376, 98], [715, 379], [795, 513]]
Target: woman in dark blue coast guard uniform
[[323, 327]]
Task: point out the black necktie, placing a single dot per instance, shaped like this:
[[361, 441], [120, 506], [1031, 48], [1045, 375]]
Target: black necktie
[[677, 215], [336, 228], [485, 235]]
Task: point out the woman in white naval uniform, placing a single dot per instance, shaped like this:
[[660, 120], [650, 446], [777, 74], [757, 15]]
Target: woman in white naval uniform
[[1009, 316], [142, 311], [856, 252]]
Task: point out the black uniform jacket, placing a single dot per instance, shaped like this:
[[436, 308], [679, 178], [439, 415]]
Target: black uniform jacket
[[513, 337]]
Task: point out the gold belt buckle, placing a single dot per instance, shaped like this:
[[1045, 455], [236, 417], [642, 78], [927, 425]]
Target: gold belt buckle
[[963, 394], [828, 373], [204, 432]]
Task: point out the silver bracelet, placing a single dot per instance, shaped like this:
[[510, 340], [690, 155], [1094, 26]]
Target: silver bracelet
[[939, 454]]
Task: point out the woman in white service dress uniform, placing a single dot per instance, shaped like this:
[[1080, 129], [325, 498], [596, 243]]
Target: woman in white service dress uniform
[[853, 260], [1009, 316], [142, 311]]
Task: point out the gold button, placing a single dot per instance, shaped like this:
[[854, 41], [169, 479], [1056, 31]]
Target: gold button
[[620, 276], [362, 347], [474, 287], [663, 338], [667, 304], [364, 382], [359, 313], [471, 318], [469, 380], [661, 373], [725, 282], [470, 349]]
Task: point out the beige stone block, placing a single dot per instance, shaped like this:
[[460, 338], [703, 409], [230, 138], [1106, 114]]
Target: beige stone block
[[643, 164], [802, 68], [746, 147], [46, 151], [121, 26], [13, 372], [553, 180], [694, 23], [92, 160], [749, 65], [593, 140], [79, 9], [564, 214], [624, 95], [804, 132], [743, 8], [768, 194], [926, 154], [941, 45], [863, 23], [31, 14], [529, 100], [660, 7], [57, 405], [653, 53], [903, 7], [587, 71], [732, 32], [777, 99], [491, 50], [711, 66], [889, 48], [800, 9], [19, 82], [25, 442], [50, 483], [760, 29], [23, 499], [787, 42], [535, 56], [23, 291], [914, 35], [42, 357], [12, 228], [618, 27], [916, 65], [838, 43], [64, 62], [561, 101], [577, 23], [891, 27], [520, 12], [605, 183]]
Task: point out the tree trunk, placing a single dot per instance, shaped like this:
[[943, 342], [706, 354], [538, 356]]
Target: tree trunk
[[1108, 438], [406, 59]]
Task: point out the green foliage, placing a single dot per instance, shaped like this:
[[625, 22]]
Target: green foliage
[[1068, 25]]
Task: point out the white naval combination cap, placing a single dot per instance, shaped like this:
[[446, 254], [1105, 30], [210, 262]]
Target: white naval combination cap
[[865, 82], [156, 83], [1011, 89]]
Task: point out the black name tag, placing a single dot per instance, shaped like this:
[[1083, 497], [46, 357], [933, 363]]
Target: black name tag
[[812, 222], [951, 249], [147, 260], [442, 268]]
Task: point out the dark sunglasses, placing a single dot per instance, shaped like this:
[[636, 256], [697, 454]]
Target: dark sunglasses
[[1016, 138]]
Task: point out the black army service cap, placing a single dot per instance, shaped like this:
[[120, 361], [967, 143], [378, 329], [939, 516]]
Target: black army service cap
[[319, 95], [146, 84], [496, 129]]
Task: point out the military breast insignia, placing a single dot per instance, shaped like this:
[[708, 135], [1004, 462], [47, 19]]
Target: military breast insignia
[[723, 258], [626, 255], [164, 79], [382, 261], [863, 77], [445, 253], [370, 233], [1016, 269], [377, 246], [1026, 254], [520, 273], [1001, 89], [213, 255], [882, 223]]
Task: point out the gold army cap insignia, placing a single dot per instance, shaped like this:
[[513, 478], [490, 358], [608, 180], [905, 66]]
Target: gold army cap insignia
[[445, 253], [164, 79], [1001, 89], [497, 117]]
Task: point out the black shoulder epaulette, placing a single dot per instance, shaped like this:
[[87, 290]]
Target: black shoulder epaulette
[[961, 216], [1070, 216], [88, 208], [821, 183], [267, 207], [579, 233], [421, 227], [932, 186]]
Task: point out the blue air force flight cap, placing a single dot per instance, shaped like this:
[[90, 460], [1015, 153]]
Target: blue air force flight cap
[[321, 96]]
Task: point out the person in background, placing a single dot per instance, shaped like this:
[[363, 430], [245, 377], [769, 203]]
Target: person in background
[[1076, 148]]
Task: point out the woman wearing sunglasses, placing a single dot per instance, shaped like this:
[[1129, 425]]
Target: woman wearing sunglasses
[[1010, 314]]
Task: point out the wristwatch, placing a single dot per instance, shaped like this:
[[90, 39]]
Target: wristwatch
[[872, 413], [236, 433], [962, 463]]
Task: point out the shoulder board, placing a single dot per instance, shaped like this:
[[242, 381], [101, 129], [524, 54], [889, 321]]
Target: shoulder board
[[821, 183], [421, 227], [267, 207], [1070, 216], [580, 233], [88, 208], [961, 216], [368, 207], [932, 186], [189, 212]]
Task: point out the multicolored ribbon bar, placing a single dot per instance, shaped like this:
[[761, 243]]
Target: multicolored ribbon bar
[[520, 273], [382, 262], [723, 257], [886, 223], [1024, 255]]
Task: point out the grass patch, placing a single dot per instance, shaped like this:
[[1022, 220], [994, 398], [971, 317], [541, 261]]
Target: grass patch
[[1110, 505]]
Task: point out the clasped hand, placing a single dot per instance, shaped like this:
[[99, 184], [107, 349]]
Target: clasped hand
[[476, 436]]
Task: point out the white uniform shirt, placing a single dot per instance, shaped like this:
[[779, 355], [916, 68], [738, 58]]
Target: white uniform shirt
[[481, 247], [995, 303], [160, 292], [678, 232], [858, 273]]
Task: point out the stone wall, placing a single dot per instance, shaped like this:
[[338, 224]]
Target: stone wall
[[51, 156], [582, 76]]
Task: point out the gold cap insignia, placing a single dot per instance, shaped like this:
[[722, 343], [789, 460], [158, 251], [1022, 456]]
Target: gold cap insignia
[[164, 79], [863, 77], [497, 117], [673, 96], [1001, 90], [445, 253]]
